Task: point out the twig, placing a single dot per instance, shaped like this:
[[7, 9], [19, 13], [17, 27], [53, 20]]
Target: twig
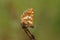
[[30, 35]]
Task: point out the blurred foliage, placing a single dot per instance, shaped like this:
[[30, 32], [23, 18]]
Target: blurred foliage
[[47, 19]]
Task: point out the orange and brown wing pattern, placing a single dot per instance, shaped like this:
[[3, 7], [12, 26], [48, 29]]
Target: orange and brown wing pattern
[[28, 16]]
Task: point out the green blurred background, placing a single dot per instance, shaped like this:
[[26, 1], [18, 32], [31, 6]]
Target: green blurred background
[[47, 19]]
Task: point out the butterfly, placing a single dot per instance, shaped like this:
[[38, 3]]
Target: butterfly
[[27, 19]]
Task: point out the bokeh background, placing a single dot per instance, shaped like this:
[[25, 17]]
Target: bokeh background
[[47, 19]]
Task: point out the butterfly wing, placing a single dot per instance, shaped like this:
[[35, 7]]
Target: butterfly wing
[[27, 17]]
